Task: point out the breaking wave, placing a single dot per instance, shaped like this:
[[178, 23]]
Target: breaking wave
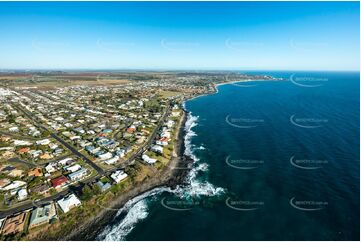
[[136, 209], [136, 213], [196, 187]]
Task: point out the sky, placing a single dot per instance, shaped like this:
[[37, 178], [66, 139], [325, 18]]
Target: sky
[[180, 35]]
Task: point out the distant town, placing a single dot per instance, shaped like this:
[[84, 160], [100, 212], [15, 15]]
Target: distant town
[[72, 143]]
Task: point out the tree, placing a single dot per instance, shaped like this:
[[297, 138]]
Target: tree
[[96, 189], [87, 193]]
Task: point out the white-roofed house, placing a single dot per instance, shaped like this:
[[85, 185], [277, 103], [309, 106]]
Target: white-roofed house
[[118, 176], [148, 159], [157, 149], [69, 202]]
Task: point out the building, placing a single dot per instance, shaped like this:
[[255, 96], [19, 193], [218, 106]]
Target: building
[[118, 176], [69, 202], [50, 168], [46, 156], [165, 134], [43, 142], [4, 182], [16, 173], [111, 160], [148, 159], [59, 181], [73, 168], [78, 174], [65, 161], [41, 189], [21, 143], [22, 194], [157, 149], [105, 156], [23, 150], [42, 215], [35, 172], [103, 186], [14, 185], [14, 224]]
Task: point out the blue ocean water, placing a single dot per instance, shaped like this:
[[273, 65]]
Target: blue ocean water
[[275, 160]]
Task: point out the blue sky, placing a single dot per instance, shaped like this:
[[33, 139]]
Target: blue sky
[[180, 35]]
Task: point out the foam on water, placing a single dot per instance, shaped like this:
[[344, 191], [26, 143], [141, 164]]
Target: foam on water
[[136, 213], [136, 209]]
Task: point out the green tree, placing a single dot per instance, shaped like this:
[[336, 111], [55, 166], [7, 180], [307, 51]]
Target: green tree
[[87, 193]]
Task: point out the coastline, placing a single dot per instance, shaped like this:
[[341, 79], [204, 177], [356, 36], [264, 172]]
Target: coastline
[[171, 176]]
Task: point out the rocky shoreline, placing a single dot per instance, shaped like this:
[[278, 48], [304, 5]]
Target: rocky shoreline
[[171, 176]]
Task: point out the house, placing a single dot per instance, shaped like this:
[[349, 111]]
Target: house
[[131, 129], [42, 215], [72, 168], [105, 156], [103, 186], [75, 137], [148, 159], [23, 150], [22, 194], [161, 142], [58, 151], [43, 142], [14, 224], [78, 174], [157, 149], [120, 153], [165, 134], [118, 176], [89, 148], [35, 172], [14, 129], [16, 173], [14, 185], [22, 143], [175, 114], [46, 156], [4, 182], [53, 146], [111, 160], [7, 154], [59, 181], [41, 189], [69, 202], [169, 123], [5, 138], [140, 140], [35, 153], [65, 161], [50, 168]]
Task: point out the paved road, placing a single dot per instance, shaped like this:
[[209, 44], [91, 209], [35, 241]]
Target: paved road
[[147, 144], [76, 152], [36, 203], [71, 148], [32, 204], [18, 160]]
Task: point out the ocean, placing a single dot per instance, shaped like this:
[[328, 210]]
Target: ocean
[[274, 160]]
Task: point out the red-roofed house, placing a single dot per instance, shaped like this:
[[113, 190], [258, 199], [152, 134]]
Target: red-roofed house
[[59, 181], [131, 129], [23, 150]]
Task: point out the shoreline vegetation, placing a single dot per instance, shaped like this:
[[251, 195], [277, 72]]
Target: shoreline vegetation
[[171, 176], [90, 224], [86, 221]]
